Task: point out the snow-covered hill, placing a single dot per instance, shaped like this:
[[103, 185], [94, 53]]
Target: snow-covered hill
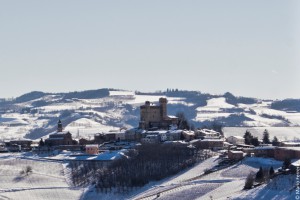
[[224, 184], [48, 180], [35, 114]]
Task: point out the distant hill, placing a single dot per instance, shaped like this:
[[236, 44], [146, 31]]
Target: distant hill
[[115, 109], [29, 96], [88, 94], [287, 105]]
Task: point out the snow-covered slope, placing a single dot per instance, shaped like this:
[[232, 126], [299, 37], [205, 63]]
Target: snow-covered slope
[[225, 184], [47, 180], [35, 114]]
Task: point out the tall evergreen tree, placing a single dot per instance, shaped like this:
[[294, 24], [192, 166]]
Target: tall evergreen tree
[[275, 141], [41, 143], [248, 137], [266, 139], [271, 171], [260, 175], [286, 163], [254, 141]]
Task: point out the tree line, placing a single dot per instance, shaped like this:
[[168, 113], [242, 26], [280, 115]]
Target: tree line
[[139, 166], [251, 140]]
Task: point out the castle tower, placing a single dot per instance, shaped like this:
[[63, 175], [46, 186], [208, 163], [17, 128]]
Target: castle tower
[[59, 126], [163, 107]]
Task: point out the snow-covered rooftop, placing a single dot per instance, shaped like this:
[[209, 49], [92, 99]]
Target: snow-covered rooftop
[[291, 148], [296, 163], [265, 148], [189, 132], [213, 140], [172, 117], [92, 145], [237, 137], [236, 152]]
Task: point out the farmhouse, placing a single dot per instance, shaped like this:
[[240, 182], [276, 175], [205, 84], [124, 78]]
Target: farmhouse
[[235, 155]]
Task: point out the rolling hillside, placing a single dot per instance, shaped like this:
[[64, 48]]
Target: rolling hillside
[[35, 114]]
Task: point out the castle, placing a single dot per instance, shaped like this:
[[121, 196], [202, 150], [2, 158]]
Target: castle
[[155, 116]]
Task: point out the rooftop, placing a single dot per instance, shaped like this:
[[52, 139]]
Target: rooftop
[[296, 163], [236, 152], [291, 148], [60, 133], [265, 147], [172, 117], [55, 138], [237, 137], [92, 145], [214, 140]]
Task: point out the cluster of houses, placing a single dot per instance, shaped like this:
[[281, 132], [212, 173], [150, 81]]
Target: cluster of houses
[[155, 126], [63, 140], [237, 149]]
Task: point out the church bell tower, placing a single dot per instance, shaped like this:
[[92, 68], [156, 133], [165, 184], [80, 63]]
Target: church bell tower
[[59, 126]]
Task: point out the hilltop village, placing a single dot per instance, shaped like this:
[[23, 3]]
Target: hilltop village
[[155, 127], [119, 161]]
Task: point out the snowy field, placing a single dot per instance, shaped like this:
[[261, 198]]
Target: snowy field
[[69, 155], [261, 114], [280, 188], [47, 180], [215, 104], [87, 128]]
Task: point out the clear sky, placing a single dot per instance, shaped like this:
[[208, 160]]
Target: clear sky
[[249, 48]]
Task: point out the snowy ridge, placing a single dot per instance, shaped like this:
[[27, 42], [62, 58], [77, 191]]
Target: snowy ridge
[[117, 109]]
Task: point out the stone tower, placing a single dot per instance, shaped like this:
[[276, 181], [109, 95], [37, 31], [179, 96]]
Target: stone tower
[[59, 126], [163, 108]]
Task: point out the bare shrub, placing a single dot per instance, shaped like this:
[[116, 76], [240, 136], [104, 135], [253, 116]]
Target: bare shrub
[[28, 169]]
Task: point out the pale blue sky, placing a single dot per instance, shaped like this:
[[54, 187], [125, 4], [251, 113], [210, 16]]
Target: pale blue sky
[[250, 48]]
